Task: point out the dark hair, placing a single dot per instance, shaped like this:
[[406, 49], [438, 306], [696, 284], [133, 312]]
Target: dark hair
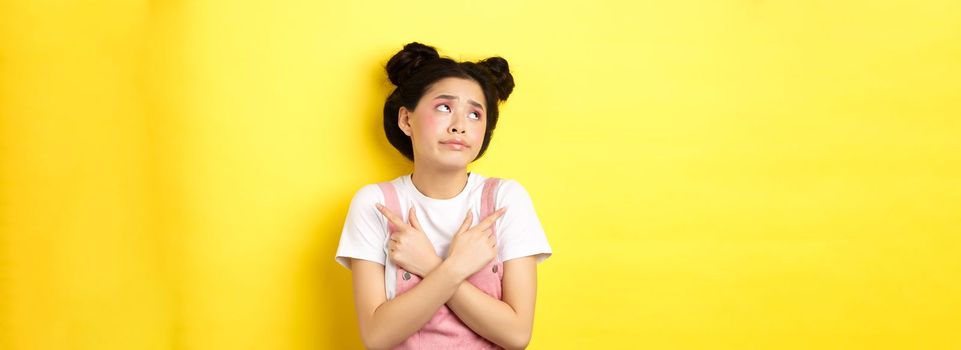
[[415, 68]]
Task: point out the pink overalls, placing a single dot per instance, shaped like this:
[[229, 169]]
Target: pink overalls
[[445, 330]]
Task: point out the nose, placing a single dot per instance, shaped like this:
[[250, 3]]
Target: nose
[[457, 126]]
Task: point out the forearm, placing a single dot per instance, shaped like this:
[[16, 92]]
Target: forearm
[[489, 317], [397, 319]]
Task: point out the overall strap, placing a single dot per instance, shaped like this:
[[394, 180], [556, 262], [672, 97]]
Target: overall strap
[[390, 196], [488, 200]]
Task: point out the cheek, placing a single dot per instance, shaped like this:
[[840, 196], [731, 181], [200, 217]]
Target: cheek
[[478, 132], [426, 128], [428, 124]]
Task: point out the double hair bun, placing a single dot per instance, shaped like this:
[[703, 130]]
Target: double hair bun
[[415, 55]]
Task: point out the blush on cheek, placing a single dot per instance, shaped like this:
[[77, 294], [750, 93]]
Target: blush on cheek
[[429, 123], [432, 126]]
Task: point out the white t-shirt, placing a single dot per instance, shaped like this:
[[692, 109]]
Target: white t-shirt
[[519, 231]]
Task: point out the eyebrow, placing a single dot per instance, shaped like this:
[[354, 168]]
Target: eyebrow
[[451, 97]]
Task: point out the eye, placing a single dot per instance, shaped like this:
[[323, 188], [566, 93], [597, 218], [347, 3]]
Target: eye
[[443, 108], [475, 114]]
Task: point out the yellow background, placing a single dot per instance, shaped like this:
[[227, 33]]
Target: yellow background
[[710, 174]]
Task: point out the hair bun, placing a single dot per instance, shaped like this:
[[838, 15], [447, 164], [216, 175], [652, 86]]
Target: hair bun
[[503, 80], [406, 61]]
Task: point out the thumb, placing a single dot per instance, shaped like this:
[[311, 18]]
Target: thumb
[[412, 217], [467, 221]]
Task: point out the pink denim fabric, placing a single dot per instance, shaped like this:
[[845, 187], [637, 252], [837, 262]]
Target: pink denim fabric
[[445, 330]]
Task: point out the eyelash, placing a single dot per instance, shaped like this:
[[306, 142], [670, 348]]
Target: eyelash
[[448, 110]]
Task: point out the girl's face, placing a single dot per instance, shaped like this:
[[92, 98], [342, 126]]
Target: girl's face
[[447, 125]]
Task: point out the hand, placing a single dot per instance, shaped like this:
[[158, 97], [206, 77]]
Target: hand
[[409, 248], [471, 249]]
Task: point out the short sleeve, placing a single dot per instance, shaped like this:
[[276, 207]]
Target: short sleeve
[[519, 231], [364, 230]]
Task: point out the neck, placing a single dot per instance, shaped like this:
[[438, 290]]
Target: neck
[[439, 183]]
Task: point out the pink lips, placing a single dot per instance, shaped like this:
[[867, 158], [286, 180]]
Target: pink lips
[[455, 144]]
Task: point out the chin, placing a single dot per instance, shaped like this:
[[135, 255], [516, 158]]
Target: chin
[[454, 162]]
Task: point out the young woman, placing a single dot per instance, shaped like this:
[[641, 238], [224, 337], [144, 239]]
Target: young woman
[[434, 265]]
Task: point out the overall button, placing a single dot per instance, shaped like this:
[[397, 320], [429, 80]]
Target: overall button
[[494, 269], [406, 275]]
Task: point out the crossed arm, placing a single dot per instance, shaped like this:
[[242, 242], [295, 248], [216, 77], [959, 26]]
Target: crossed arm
[[507, 323]]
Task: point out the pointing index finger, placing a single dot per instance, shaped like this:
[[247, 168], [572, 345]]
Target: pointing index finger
[[390, 215], [489, 220]]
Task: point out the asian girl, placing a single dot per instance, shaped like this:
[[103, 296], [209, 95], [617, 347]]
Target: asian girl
[[437, 270]]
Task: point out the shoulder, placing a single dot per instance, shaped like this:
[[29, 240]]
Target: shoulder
[[368, 194], [365, 199], [511, 190], [363, 206]]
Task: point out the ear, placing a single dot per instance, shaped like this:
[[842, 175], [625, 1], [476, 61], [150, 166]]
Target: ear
[[403, 120]]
